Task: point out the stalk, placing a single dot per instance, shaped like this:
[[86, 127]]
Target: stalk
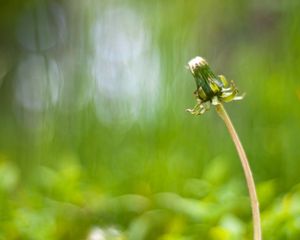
[[247, 171]]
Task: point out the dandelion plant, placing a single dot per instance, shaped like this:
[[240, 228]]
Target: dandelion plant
[[216, 90]]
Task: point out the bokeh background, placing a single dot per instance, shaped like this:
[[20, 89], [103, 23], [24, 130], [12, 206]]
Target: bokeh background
[[95, 142]]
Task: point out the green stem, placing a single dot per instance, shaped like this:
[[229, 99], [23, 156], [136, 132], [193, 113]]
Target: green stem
[[247, 171]]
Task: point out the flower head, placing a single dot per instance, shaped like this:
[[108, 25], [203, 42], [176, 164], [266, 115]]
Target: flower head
[[211, 89]]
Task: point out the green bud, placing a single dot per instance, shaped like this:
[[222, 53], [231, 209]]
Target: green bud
[[210, 87]]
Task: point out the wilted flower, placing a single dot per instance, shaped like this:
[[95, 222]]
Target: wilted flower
[[211, 89]]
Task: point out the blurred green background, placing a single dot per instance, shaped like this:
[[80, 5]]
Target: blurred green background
[[95, 142]]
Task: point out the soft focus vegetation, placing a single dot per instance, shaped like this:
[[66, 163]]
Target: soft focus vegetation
[[95, 143]]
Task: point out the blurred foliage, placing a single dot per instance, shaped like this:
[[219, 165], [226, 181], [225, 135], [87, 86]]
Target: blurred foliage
[[95, 143]]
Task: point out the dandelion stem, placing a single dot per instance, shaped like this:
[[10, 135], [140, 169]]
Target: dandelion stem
[[247, 171]]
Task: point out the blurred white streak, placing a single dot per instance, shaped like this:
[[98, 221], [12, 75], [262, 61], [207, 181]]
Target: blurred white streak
[[97, 233], [38, 83], [126, 66]]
